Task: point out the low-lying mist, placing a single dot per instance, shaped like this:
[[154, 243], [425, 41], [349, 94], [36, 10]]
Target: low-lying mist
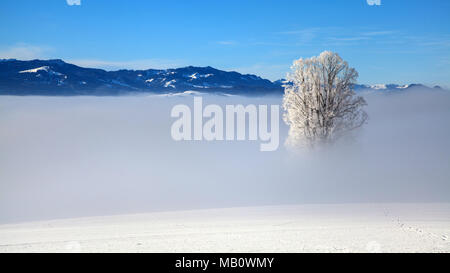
[[83, 156]]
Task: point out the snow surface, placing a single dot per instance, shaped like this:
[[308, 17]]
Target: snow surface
[[42, 68], [410, 227], [196, 76], [181, 94], [170, 83], [378, 86], [45, 68]]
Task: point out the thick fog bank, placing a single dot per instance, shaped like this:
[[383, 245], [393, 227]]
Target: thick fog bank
[[83, 156]]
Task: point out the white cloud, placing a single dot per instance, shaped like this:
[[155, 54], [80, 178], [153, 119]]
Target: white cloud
[[305, 35], [379, 33], [73, 2], [374, 2], [27, 52], [23, 52], [226, 42], [355, 38], [133, 64], [267, 71]]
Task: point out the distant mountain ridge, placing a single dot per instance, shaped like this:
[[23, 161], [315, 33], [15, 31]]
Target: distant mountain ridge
[[393, 87], [56, 77]]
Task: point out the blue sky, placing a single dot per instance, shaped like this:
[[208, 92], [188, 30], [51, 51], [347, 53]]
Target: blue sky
[[398, 41]]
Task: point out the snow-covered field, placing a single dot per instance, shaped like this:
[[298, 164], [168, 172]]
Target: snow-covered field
[[304, 228]]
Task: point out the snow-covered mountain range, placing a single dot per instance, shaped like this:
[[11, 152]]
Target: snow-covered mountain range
[[56, 77], [392, 87]]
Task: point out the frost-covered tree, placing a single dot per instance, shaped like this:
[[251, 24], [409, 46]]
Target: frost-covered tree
[[319, 102]]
